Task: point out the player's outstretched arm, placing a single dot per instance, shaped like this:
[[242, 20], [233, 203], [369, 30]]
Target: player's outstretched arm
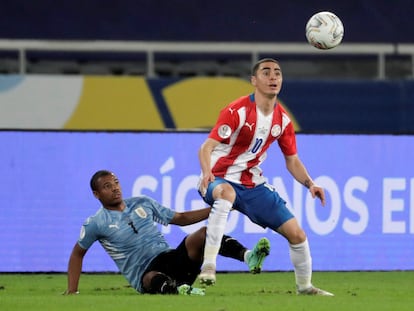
[[190, 217], [75, 269]]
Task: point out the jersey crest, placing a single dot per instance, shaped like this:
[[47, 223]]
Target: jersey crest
[[141, 212]]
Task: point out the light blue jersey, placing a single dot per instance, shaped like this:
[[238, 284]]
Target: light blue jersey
[[130, 237]]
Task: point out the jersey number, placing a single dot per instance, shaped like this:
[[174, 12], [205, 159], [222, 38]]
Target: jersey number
[[257, 144]]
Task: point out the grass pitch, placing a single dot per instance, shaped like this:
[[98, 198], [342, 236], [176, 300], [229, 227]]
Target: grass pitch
[[234, 291]]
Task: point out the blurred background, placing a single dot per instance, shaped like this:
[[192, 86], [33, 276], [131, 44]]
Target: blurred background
[[229, 22], [167, 43], [134, 87]]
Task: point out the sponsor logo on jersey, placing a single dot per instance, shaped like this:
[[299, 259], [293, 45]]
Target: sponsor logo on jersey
[[263, 130]]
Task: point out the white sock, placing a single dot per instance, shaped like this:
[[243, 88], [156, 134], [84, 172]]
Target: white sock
[[215, 229], [302, 263]]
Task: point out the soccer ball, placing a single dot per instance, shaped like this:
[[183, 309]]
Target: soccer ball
[[324, 30]]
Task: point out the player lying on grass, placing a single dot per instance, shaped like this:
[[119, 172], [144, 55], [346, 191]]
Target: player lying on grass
[[125, 228]]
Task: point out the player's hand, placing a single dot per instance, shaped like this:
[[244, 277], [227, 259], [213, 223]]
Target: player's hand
[[68, 292], [204, 181], [317, 191]]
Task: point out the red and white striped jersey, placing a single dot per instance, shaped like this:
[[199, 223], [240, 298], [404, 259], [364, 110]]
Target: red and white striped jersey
[[245, 134]]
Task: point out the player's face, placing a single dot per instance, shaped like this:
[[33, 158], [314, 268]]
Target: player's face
[[108, 191], [268, 79]]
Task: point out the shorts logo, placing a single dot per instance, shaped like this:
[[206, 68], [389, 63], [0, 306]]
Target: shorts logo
[[141, 212], [276, 130], [224, 131]]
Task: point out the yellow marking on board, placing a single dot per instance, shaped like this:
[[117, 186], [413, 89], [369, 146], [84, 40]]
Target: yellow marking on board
[[115, 103], [196, 102]]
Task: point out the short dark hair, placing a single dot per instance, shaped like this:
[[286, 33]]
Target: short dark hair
[[263, 60], [96, 176]]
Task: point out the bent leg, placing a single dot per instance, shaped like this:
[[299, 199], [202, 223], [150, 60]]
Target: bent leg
[[232, 248], [229, 246], [194, 244]]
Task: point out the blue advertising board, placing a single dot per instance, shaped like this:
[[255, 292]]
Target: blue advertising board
[[367, 223]]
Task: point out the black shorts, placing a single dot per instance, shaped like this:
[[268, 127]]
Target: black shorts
[[176, 264]]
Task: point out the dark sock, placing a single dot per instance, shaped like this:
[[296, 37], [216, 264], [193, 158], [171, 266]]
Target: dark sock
[[230, 247], [162, 284]]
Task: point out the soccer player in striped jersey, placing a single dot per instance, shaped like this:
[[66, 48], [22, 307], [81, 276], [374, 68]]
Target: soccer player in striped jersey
[[231, 176], [125, 228]]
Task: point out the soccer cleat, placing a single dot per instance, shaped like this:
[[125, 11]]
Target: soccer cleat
[[256, 257], [314, 291], [190, 291], [207, 275]]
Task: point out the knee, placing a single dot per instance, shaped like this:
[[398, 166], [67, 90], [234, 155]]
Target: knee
[[296, 236], [194, 244], [292, 231], [200, 235], [224, 191]]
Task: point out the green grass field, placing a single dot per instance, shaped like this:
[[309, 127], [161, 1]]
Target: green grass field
[[353, 291]]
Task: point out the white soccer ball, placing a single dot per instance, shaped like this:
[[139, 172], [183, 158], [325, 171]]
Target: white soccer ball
[[324, 30]]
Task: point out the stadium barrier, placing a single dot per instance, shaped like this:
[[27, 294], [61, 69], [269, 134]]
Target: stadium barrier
[[254, 50]]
